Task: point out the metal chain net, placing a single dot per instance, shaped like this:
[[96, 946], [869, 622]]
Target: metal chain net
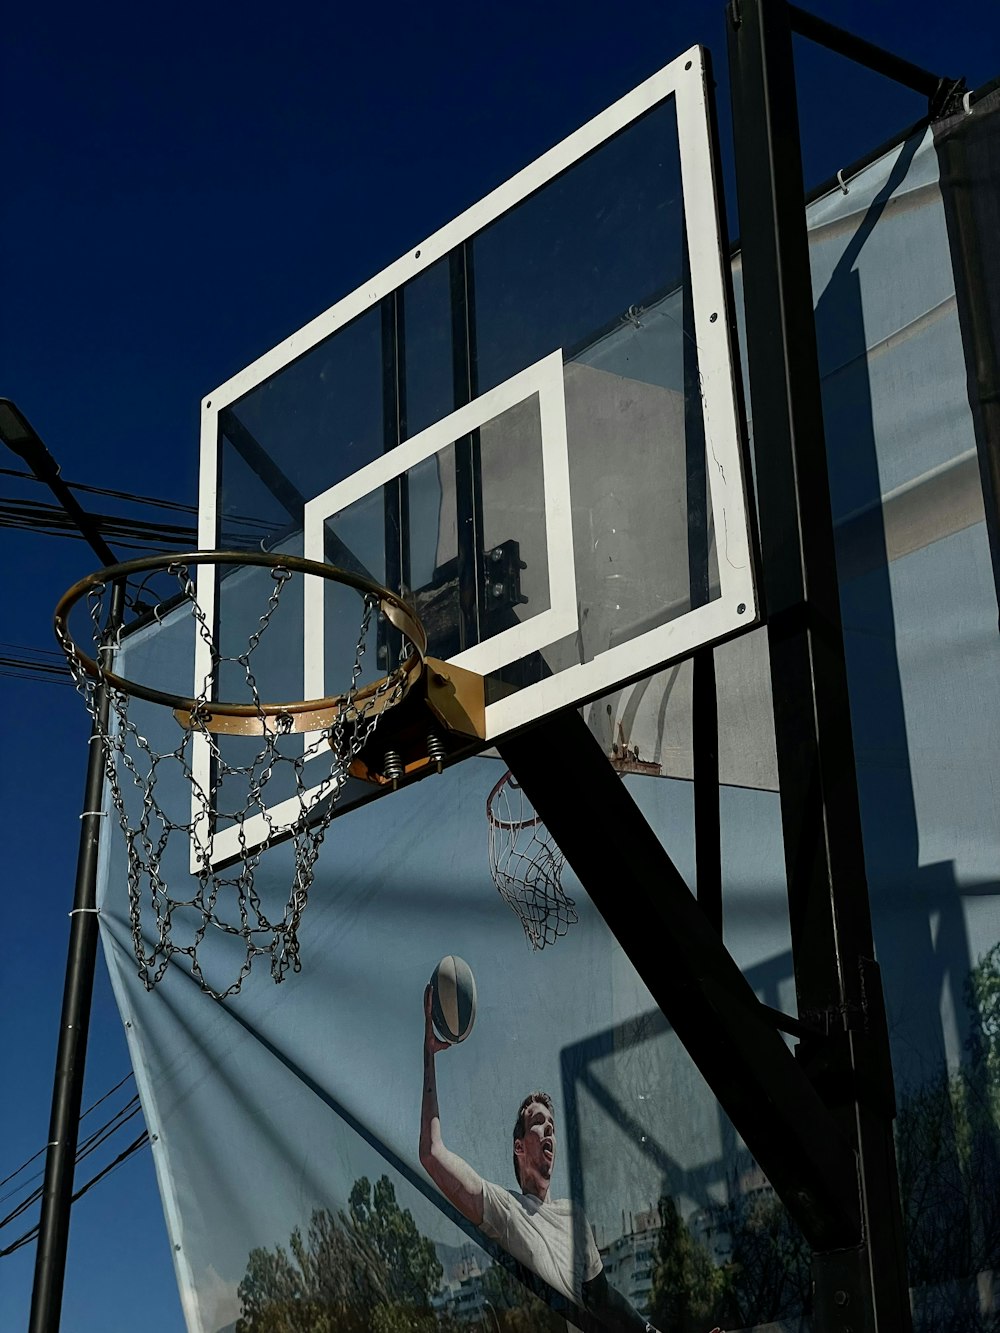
[[221, 899], [527, 865]]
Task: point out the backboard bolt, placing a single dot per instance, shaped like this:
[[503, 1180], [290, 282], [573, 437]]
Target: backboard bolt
[[436, 752], [713, 317], [498, 590], [741, 608]]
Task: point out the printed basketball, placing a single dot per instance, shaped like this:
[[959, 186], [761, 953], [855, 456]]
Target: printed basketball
[[453, 999]]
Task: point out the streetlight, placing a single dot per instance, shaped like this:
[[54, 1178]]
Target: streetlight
[[21, 438]]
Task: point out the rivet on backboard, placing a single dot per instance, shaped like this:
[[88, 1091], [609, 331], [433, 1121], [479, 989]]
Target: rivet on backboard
[[208, 404], [713, 317], [416, 254], [688, 65], [741, 608]]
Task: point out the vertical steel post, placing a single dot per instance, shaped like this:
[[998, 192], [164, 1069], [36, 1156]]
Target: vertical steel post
[[972, 215], [74, 1026], [468, 470], [837, 981], [395, 494], [704, 697]]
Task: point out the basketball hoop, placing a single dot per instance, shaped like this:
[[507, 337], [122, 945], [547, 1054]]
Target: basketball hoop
[[527, 865], [338, 727]]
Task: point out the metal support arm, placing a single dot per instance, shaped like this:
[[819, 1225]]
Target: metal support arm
[[732, 1038], [941, 92]]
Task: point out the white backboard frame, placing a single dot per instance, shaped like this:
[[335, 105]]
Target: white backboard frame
[[735, 608]]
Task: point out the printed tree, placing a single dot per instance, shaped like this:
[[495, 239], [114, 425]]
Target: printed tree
[[514, 1308], [366, 1271], [688, 1289], [768, 1274], [948, 1148], [413, 1273]]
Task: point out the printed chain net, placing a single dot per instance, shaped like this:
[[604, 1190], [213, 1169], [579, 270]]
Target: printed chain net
[[224, 900], [527, 866]]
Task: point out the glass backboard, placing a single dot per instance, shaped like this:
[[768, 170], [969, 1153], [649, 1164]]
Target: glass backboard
[[527, 426]]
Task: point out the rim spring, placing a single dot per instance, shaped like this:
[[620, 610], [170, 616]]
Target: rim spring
[[392, 766], [436, 752]]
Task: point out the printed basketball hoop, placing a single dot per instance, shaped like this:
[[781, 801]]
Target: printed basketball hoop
[[118, 599], [527, 865]]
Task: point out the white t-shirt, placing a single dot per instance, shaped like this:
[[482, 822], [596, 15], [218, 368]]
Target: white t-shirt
[[553, 1238]]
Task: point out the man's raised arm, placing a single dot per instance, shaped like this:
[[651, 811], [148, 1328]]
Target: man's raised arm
[[453, 1176]]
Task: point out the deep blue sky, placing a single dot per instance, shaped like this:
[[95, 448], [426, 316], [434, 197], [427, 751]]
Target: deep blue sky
[[181, 191]]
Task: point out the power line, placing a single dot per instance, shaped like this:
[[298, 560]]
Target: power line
[[96, 1139], [52, 519], [27, 663], [92, 1107], [32, 1234], [104, 490], [32, 513]]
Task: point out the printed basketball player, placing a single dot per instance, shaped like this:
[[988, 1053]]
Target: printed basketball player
[[550, 1236]]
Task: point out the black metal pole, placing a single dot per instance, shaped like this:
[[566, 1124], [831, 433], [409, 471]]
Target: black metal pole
[[971, 198], [704, 689], [395, 494], [78, 989], [468, 468], [837, 981], [74, 1028], [704, 698]]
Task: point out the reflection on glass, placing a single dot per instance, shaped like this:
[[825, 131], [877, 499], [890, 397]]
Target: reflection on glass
[[428, 368], [307, 427], [585, 254]]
